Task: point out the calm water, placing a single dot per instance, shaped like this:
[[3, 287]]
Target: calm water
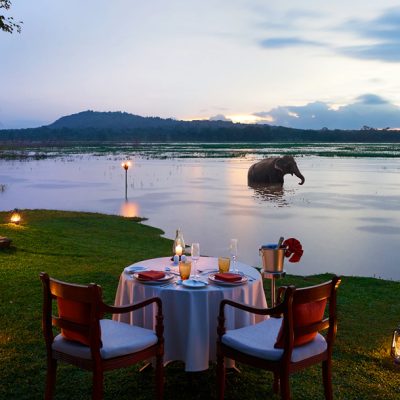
[[346, 214]]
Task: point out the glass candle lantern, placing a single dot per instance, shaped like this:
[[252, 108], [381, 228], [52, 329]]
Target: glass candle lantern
[[395, 351], [15, 217], [179, 244]]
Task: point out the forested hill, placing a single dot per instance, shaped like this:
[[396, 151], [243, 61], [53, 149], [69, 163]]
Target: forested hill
[[91, 126]]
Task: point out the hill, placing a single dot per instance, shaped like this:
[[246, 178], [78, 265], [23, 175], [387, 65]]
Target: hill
[[122, 120], [95, 127]]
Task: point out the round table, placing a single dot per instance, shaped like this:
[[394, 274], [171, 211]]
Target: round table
[[190, 315]]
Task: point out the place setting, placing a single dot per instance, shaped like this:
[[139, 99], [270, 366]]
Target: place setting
[[132, 269], [188, 271], [225, 276], [152, 277]]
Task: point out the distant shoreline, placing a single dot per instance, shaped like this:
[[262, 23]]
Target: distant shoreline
[[162, 150]]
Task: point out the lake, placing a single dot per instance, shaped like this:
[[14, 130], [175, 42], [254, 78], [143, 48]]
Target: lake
[[346, 215]]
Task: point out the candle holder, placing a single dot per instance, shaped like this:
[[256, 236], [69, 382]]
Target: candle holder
[[176, 259]]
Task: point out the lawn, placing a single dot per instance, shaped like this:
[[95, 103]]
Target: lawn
[[88, 247]]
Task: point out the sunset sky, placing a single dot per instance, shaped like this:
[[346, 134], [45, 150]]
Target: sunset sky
[[307, 64]]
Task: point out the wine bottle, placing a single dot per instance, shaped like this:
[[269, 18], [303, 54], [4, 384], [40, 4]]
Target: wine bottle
[[280, 241]]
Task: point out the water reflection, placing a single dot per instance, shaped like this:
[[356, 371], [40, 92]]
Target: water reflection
[[129, 209], [346, 215], [271, 193]]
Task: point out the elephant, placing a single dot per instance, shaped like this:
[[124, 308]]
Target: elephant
[[271, 171]]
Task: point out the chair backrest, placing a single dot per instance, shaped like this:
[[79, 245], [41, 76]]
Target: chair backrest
[[306, 315], [79, 311]]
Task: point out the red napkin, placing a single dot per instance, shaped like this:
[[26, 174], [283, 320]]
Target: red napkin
[[151, 275], [294, 249], [228, 277]]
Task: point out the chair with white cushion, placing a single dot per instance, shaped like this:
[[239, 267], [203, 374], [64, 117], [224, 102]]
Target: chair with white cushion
[[286, 344], [90, 342]]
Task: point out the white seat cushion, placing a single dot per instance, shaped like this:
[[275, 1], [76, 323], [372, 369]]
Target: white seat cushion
[[118, 339], [258, 340]]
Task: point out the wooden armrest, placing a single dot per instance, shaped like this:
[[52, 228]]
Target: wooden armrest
[[278, 309], [260, 311], [132, 307]]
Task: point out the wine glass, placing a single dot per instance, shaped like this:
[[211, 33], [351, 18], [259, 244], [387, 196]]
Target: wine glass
[[233, 249], [195, 253]]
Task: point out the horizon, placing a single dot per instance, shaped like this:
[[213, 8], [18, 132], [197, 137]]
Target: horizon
[[363, 128], [324, 64]]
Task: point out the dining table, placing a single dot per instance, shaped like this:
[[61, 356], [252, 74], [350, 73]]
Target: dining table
[[190, 309]]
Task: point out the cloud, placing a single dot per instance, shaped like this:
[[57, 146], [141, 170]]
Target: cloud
[[367, 109], [371, 99], [280, 42], [380, 37], [219, 117], [389, 52]]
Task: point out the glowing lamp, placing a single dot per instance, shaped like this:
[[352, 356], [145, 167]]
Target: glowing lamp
[[178, 250], [125, 165], [15, 217], [395, 350]]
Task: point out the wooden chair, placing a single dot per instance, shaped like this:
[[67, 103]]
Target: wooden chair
[[286, 344], [91, 342]]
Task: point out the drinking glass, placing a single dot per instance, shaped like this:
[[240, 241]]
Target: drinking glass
[[224, 264], [233, 249], [184, 269], [195, 252]]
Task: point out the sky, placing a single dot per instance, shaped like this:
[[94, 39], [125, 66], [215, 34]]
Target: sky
[[303, 64]]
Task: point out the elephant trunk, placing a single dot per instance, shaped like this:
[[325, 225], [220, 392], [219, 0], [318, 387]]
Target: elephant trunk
[[300, 176]]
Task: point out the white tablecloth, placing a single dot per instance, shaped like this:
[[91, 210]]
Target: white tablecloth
[[190, 315]]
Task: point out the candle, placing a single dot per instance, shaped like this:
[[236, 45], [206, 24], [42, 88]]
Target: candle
[[178, 250]]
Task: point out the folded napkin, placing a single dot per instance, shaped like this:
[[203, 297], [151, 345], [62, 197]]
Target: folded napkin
[[151, 275], [228, 277]]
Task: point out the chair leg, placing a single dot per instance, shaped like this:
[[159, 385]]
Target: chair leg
[[284, 385], [220, 376], [97, 388], [50, 378], [159, 377], [327, 379], [275, 386]]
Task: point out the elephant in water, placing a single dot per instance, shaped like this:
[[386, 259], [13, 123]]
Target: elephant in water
[[271, 171]]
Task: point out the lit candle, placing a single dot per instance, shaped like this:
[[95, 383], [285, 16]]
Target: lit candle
[[178, 250]]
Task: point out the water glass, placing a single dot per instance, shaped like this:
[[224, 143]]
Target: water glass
[[184, 269], [195, 253], [233, 249], [224, 264]]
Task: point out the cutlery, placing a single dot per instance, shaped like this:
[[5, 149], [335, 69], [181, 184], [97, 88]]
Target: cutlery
[[168, 284], [207, 271], [250, 278]]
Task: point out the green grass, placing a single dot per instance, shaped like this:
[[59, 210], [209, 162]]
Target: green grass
[[85, 247]]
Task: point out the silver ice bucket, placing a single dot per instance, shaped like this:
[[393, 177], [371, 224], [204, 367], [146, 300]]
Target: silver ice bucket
[[272, 258]]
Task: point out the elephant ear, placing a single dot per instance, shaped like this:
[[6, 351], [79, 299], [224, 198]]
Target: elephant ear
[[279, 164]]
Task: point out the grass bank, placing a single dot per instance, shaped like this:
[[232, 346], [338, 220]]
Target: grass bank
[[85, 247]]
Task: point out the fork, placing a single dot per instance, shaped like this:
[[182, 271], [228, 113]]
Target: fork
[[168, 284]]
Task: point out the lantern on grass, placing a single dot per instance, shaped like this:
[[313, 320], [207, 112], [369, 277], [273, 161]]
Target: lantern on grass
[[395, 350], [15, 217]]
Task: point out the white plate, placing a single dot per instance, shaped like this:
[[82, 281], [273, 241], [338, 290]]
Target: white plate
[[135, 268], [190, 283], [212, 278], [166, 278]]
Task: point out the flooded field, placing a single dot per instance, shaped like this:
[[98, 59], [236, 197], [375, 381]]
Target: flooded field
[[346, 214]]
